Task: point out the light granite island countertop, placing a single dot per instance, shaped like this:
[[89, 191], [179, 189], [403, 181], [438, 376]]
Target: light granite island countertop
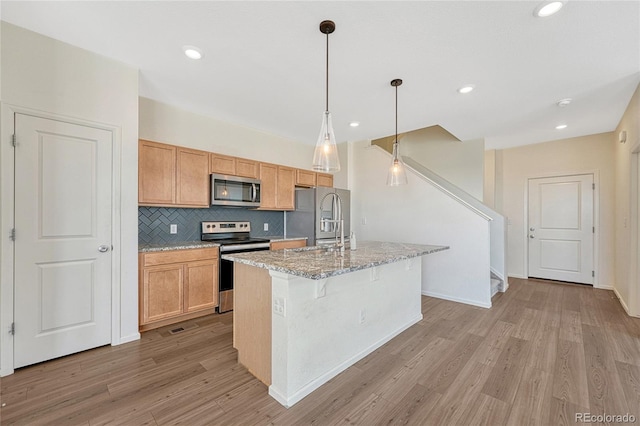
[[302, 316], [316, 263]]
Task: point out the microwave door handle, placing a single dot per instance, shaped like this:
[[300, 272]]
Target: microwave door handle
[[253, 192]]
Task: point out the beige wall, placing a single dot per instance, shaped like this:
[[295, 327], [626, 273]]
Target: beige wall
[[460, 163], [165, 123], [588, 154], [45, 76], [626, 205]]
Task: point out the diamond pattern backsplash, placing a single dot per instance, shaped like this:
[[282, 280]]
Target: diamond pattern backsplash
[[153, 222]]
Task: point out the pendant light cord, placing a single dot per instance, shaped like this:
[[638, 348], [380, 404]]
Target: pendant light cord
[[327, 75], [396, 114]]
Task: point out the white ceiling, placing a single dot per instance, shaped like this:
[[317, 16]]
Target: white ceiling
[[264, 62]]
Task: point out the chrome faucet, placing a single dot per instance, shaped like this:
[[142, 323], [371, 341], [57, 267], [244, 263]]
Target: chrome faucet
[[339, 221]]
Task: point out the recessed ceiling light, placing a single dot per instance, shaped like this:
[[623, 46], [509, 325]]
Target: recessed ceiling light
[[561, 126], [564, 102], [547, 8], [354, 124], [192, 52], [466, 89]]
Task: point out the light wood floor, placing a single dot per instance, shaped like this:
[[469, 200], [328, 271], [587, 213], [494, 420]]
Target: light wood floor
[[542, 353]]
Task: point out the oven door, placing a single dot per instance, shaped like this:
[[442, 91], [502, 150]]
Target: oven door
[[234, 191], [225, 280]]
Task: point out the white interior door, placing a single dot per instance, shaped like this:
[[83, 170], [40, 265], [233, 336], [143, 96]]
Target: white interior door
[[63, 239], [560, 228]]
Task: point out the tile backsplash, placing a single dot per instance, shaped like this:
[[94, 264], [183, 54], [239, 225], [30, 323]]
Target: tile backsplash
[[153, 222]]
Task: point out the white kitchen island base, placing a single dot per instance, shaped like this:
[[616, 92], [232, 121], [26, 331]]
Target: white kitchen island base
[[321, 327], [303, 316]]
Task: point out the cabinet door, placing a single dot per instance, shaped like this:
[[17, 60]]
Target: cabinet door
[[201, 285], [162, 292], [156, 173], [279, 245], [268, 186], [246, 168], [223, 164], [305, 178], [324, 179], [286, 188], [192, 178]]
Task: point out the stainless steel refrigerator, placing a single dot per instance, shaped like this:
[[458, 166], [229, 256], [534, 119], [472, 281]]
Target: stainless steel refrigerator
[[305, 220]]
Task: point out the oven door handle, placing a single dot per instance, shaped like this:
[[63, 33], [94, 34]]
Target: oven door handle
[[243, 247]]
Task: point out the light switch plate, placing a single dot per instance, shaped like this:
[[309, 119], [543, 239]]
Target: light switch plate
[[173, 228]]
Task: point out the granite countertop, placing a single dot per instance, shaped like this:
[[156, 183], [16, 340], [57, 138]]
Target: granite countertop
[[184, 245], [315, 263]]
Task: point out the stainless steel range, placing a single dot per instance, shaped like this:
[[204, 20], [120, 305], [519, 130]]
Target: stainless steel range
[[233, 237]]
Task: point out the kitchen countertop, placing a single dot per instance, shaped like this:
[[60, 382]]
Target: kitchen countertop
[[184, 245], [315, 263]]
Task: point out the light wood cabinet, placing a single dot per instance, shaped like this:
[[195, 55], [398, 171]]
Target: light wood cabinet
[[177, 285], [172, 176], [277, 187], [247, 168], [192, 178], [156, 173], [223, 164], [305, 178], [287, 244], [286, 193], [324, 179]]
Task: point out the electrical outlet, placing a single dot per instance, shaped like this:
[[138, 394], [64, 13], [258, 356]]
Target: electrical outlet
[[173, 228], [364, 220], [279, 306], [363, 316], [266, 226]]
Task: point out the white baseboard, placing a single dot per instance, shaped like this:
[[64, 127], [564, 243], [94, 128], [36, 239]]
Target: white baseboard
[[604, 287], [316, 383], [126, 339], [522, 277], [623, 303], [6, 372], [457, 299]]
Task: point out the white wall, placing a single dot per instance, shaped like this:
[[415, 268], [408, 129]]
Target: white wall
[[627, 281], [48, 76], [165, 123], [588, 154], [420, 213]]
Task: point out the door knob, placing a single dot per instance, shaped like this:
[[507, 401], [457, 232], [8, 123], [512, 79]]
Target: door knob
[[532, 229], [103, 248], [532, 236]]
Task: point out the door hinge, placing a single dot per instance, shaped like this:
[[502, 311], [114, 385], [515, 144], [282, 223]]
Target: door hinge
[[593, 273], [12, 235], [593, 229], [593, 186], [12, 331], [13, 140]]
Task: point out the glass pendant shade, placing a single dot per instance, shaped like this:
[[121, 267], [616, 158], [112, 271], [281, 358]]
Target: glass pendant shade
[[397, 171], [325, 156]]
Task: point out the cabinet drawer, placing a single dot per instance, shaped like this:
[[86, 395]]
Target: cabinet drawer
[[179, 256]]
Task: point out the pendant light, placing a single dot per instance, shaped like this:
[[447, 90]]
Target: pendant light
[[397, 173], [325, 156]]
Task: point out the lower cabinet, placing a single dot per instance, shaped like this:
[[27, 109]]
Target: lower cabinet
[[177, 285], [287, 244]]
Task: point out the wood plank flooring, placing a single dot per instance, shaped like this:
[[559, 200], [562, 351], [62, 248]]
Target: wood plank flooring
[[543, 353]]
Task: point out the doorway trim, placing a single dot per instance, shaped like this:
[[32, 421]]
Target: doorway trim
[[596, 219], [7, 220]]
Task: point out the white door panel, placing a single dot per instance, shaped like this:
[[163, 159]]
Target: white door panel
[[63, 214], [561, 228]]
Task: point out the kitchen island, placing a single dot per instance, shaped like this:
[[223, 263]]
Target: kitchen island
[[302, 316]]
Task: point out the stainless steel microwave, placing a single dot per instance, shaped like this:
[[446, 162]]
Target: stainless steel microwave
[[234, 191]]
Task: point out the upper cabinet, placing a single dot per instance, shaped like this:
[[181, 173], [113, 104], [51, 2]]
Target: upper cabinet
[[309, 179], [277, 187], [172, 176], [234, 166]]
